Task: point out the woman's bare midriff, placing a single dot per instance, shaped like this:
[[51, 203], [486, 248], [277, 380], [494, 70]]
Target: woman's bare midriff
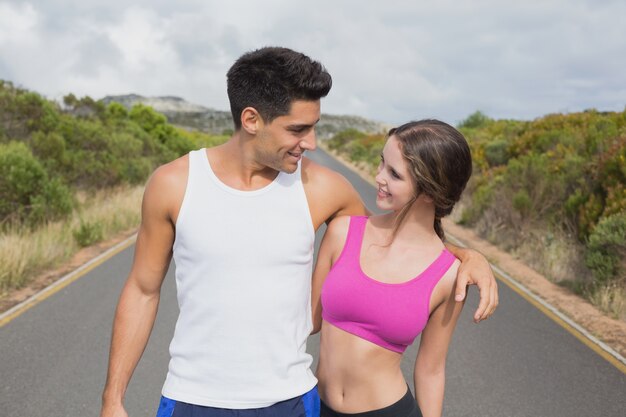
[[357, 375]]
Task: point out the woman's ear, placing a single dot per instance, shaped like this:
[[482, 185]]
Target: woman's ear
[[424, 197]]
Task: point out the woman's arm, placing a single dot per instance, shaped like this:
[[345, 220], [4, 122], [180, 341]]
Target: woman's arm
[[330, 248], [430, 365]]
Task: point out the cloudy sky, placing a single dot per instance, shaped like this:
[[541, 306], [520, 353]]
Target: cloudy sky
[[390, 60]]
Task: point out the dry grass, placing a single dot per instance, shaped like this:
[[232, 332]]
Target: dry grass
[[24, 253], [113, 211], [561, 260], [610, 299], [558, 257]]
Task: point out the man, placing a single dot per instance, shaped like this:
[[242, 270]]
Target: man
[[239, 220]]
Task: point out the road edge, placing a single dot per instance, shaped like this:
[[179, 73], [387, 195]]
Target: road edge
[[64, 281], [574, 328], [578, 331]]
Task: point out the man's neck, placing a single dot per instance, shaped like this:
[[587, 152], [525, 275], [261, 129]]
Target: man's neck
[[235, 164]]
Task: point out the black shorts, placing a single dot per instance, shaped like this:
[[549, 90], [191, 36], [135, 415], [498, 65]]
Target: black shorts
[[405, 407]]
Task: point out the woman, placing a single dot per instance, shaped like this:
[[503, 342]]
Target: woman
[[381, 281]]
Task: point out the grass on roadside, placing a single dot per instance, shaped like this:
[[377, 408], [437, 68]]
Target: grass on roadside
[[561, 259], [611, 299], [25, 253]]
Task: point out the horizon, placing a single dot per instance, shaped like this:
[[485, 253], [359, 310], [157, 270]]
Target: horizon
[[59, 101]]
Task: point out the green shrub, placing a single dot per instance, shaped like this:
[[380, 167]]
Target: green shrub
[[522, 202], [607, 249], [55, 201], [88, 233], [610, 165], [341, 139], [357, 151], [589, 214], [358, 147], [564, 173], [481, 198], [203, 140], [37, 112], [156, 124], [615, 200], [475, 120], [48, 145], [21, 177], [116, 111], [26, 192], [146, 117], [86, 144], [136, 170], [497, 152], [170, 137]]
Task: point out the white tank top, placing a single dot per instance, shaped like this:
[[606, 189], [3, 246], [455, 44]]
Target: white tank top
[[243, 276]]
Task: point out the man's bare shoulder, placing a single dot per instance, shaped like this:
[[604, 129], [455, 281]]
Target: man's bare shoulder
[[335, 237], [315, 175], [170, 176], [166, 187], [329, 193], [338, 227]]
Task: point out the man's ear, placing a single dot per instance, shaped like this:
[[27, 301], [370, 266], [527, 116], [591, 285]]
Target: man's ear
[[251, 120]]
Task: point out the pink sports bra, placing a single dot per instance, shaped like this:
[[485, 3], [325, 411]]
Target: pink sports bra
[[389, 315]]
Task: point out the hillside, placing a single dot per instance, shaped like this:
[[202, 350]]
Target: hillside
[[71, 174], [550, 191], [188, 115]]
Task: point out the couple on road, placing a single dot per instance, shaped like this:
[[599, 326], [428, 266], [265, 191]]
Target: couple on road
[[239, 220]]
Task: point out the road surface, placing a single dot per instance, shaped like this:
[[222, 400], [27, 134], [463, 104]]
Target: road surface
[[519, 363]]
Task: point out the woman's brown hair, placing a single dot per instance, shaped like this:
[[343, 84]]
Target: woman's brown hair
[[440, 164]]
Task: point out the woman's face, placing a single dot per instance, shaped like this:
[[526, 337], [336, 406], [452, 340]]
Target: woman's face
[[395, 185]]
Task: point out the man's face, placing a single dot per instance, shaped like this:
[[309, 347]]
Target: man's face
[[281, 143]]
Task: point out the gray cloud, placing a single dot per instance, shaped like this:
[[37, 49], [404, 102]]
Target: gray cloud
[[93, 53], [391, 61]]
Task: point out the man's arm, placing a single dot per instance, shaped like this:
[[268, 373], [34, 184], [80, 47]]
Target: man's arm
[[475, 270], [330, 248], [329, 194], [137, 307]]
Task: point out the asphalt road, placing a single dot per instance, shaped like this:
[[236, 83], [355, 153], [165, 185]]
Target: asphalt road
[[519, 363]]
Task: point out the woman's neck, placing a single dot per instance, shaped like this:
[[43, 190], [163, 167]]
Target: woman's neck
[[418, 222]]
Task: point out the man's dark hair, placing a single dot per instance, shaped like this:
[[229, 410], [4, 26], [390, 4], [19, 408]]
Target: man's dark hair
[[270, 79]]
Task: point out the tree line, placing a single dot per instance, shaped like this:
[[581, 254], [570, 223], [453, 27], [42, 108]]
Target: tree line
[[49, 151], [548, 183]]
